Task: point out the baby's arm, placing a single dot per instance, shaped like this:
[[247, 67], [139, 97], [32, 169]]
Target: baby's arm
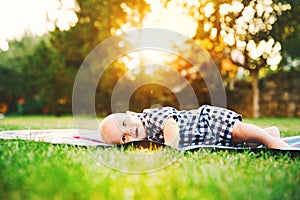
[[171, 133]]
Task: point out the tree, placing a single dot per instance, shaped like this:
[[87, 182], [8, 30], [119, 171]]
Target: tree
[[49, 79], [248, 35], [244, 27], [13, 83], [287, 32], [33, 71], [97, 21]]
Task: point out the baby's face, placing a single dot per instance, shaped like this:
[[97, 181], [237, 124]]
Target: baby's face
[[132, 128], [121, 128]]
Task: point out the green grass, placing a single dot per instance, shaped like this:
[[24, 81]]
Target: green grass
[[36, 122], [32, 170]]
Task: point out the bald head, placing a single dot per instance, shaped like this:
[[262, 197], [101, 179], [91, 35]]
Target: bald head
[[110, 129]]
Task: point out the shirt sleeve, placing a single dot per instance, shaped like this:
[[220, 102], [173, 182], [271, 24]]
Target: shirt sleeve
[[156, 121]]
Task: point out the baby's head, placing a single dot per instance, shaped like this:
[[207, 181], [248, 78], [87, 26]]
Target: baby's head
[[119, 128]]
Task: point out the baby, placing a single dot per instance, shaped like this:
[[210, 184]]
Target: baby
[[207, 125]]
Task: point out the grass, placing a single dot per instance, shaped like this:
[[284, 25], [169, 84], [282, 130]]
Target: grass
[[32, 170], [36, 122]]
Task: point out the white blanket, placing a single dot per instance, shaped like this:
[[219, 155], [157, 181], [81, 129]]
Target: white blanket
[[56, 136]]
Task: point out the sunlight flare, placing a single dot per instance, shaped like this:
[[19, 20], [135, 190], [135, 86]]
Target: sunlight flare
[[172, 17]]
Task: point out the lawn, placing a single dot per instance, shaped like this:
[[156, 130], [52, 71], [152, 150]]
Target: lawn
[[32, 170]]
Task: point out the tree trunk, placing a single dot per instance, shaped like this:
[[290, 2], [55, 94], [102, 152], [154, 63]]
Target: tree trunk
[[255, 90]]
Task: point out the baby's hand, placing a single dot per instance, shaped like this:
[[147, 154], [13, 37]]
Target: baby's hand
[[171, 133]]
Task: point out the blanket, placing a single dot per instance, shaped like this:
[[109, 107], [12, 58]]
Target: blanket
[[88, 138], [56, 136]]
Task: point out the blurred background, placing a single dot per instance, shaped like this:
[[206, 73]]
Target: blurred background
[[254, 43]]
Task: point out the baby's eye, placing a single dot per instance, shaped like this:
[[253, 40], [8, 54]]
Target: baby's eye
[[123, 139], [124, 123]]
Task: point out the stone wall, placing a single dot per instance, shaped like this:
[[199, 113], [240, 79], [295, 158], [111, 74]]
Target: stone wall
[[279, 96], [240, 99]]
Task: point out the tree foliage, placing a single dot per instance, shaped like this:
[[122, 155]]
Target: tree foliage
[[244, 28], [253, 34], [12, 65], [46, 68], [287, 31]]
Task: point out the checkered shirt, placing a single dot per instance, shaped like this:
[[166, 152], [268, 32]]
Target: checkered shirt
[[217, 124], [206, 125]]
